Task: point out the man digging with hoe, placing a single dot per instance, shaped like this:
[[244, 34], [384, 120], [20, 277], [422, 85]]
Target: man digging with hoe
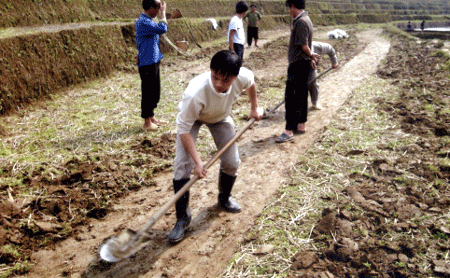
[[208, 100]]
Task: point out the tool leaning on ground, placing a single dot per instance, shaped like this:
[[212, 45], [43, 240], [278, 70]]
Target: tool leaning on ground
[[268, 112], [129, 241]]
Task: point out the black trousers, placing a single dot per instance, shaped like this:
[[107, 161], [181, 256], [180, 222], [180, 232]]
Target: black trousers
[[239, 50], [252, 33], [151, 89], [296, 94]]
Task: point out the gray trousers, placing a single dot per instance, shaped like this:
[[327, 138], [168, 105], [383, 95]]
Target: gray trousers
[[222, 132], [313, 88]]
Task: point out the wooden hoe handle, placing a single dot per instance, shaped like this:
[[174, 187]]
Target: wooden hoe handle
[[186, 187]]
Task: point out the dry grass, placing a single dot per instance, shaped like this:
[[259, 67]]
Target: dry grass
[[97, 118], [90, 122], [360, 133], [319, 175], [93, 117]]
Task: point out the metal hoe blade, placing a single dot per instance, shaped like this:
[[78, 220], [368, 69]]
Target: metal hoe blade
[[123, 246], [129, 241]]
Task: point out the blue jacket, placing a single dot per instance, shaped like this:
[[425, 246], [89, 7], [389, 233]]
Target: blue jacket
[[147, 40]]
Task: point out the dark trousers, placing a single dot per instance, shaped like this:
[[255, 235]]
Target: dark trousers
[[296, 94], [151, 89], [252, 33], [239, 50]]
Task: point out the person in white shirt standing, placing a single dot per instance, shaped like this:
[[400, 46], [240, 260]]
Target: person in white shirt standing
[[320, 48], [236, 33], [208, 100]]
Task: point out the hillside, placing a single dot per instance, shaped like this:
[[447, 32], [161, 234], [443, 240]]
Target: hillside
[[43, 12]]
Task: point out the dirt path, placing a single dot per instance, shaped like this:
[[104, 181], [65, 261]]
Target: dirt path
[[213, 235]]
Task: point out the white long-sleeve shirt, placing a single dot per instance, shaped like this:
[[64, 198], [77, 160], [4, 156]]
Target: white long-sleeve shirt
[[203, 103], [325, 48]]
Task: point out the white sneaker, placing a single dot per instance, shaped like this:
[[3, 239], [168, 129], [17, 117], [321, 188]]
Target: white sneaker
[[317, 106]]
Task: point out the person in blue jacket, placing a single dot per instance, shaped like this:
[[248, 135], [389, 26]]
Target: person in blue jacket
[[149, 56]]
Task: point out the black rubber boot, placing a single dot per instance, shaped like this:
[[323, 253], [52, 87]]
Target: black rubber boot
[[183, 213], [226, 183]]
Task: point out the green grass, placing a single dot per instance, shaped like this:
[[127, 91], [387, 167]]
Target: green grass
[[98, 117], [17, 269]]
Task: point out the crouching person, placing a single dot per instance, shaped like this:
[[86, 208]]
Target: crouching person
[[208, 100]]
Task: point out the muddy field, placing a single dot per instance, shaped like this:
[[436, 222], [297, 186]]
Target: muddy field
[[64, 205], [87, 192], [393, 220]]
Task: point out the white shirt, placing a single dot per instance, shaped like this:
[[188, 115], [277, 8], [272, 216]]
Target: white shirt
[[203, 103], [237, 24], [325, 48]]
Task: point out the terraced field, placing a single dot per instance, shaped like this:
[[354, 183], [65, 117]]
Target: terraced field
[[75, 167]]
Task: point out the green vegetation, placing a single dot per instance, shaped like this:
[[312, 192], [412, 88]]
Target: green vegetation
[[17, 269]]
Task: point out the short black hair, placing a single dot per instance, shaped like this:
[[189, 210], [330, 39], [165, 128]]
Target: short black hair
[[147, 4], [299, 4], [253, 5], [241, 7], [226, 63]]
